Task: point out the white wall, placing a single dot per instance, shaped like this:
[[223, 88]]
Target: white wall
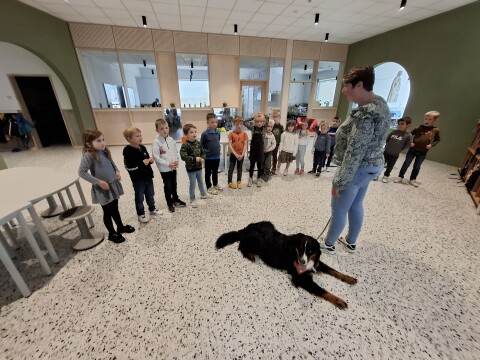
[[15, 60]]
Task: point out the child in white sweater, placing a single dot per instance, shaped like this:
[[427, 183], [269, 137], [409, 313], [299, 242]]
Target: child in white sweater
[[303, 139], [288, 147]]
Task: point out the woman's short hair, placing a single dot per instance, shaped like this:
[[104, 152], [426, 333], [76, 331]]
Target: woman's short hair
[[187, 127], [366, 75]]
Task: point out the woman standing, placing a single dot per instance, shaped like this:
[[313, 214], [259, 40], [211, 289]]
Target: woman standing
[[358, 154]]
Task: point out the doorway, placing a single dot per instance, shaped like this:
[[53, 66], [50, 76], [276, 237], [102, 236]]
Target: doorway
[[41, 103], [254, 97]]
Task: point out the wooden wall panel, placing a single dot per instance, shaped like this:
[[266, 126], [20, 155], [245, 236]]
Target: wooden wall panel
[[144, 119], [163, 40], [223, 44], [224, 80], [197, 117], [133, 39], [279, 48], [306, 50], [92, 36], [190, 43], [168, 78], [112, 123], [251, 46], [334, 52]]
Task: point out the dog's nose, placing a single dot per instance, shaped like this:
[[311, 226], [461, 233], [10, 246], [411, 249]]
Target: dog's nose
[[302, 261]]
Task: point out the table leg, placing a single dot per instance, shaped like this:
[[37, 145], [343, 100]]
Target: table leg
[[9, 232], [17, 278], [84, 202], [33, 244], [62, 200], [41, 230], [8, 248], [53, 208]]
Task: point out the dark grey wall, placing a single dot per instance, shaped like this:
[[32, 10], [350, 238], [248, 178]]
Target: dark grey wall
[[442, 56]]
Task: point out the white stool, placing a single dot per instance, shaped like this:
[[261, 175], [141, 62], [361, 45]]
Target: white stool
[[89, 238]]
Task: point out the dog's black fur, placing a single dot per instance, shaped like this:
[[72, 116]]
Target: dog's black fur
[[283, 252]]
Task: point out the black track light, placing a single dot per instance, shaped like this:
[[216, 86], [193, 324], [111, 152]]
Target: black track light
[[326, 37], [144, 21], [403, 4], [305, 67], [317, 16], [235, 29], [191, 64], [144, 63], [191, 73], [309, 77], [153, 72]]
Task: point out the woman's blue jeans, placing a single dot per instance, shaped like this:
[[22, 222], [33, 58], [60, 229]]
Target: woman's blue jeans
[[350, 202], [194, 177]]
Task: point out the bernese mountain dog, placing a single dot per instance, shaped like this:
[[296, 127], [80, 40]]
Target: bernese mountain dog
[[299, 254]]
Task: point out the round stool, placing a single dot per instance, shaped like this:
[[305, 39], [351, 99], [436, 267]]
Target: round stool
[[89, 238]]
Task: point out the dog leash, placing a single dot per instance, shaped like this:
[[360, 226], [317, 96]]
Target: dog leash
[[328, 222]]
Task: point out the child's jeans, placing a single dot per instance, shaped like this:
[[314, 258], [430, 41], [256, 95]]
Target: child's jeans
[[231, 167], [267, 163], [143, 189], [170, 186], [330, 156], [419, 157], [300, 158], [274, 158], [318, 160], [350, 201], [211, 169], [390, 161], [196, 177]]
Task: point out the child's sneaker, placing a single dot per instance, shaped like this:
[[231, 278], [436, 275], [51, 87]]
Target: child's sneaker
[[125, 229], [206, 196], [350, 247], [250, 182], [398, 180], [385, 179], [156, 212], [317, 174], [296, 172], [259, 182], [142, 218], [311, 172], [327, 168], [193, 204], [301, 172], [212, 191], [239, 185], [218, 188], [232, 185], [116, 238], [179, 203], [413, 183], [285, 173], [171, 208]]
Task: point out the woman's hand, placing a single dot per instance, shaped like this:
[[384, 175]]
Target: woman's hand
[[104, 185], [335, 192]]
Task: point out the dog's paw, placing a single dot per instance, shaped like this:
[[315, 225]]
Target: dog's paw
[[350, 280], [340, 304]]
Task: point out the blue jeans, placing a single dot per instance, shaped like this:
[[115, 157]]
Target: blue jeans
[[144, 189], [300, 158], [419, 157], [350, 202], [195, 176]]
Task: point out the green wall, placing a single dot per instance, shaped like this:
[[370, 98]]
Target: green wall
[[442, 57], [48, 38]]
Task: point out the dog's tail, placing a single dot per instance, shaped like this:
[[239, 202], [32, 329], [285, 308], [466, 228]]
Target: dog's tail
[[227, 239]]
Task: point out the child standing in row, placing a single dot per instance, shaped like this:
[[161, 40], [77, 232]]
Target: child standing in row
[[397, 141], [332, 132], [303, 139], [165, 155], [321, 149], [138, 162], [425, 137], [277, 131], [192, 153], [256, 148], [210, 141], [237, 143], [105, 179], [288, 147], [269, 145]]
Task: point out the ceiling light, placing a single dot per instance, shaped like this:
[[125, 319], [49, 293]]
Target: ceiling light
[[326, 37], [403, 4], [317, 15], [144, 63], [309, 77], [235, 29], [191, 64], [144, 21], [305, 67], [153, 72]]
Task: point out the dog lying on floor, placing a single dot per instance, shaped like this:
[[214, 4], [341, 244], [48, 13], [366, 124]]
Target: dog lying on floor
[[299, 254]]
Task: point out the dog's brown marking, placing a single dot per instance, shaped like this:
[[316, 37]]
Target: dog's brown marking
[[335, 300]]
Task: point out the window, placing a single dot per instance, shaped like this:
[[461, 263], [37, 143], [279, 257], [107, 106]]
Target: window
[[253, 69], [327, 76], [300, 88], [103, 78], [193, 80], [275, 84], [141, 81]]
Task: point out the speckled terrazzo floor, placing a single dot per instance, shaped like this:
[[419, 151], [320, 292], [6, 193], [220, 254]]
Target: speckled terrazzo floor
[[166, 293]]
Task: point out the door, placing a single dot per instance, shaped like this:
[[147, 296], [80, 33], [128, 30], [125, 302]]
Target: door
[[254, 97], [41, 103]]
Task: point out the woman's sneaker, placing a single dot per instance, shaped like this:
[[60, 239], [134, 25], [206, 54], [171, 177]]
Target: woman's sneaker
[[350, 247]]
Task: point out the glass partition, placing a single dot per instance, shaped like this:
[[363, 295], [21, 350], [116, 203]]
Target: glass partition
[[327, 76], [225, 117], [103, 78], [301, 70], [300, 88], [193, 80], [140, 72], [253, 68], [275, 84]]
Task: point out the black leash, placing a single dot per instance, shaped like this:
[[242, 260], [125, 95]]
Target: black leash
[[328, 222]]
